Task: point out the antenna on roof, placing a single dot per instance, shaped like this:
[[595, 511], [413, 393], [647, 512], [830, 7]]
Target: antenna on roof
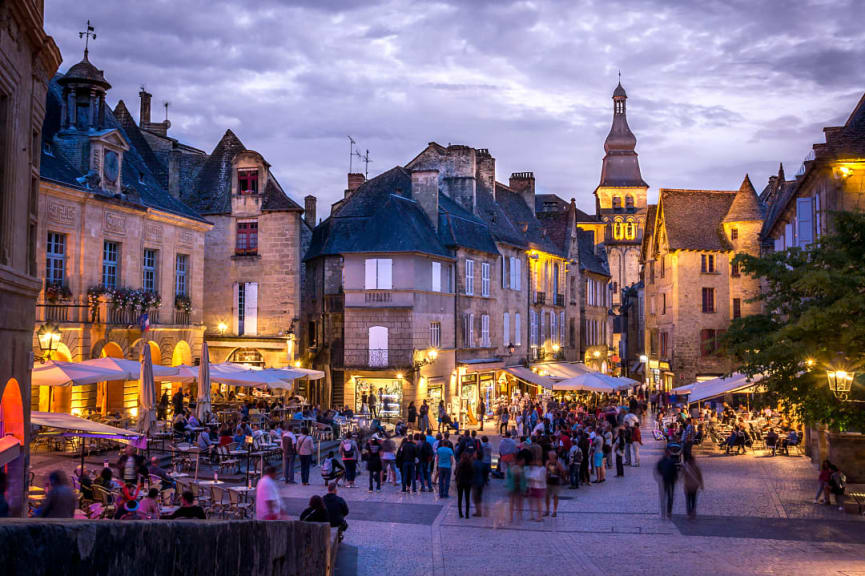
[[350, 152], [166, 104], [365, 159], [90, 32]]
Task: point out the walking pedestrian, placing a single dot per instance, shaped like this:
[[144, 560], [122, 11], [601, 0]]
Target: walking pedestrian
[[388, 461], [516, 485], [372, 455], [464, 474], [555, 477], [667, 475], [289, 455], [479, 480], [598, 448], [692, 478], [575, 461], [444, 463], [636, 444], [629, 439], [482, 410], [838, 486], [537, 478], [424, 417], [411, 416], [619, 443], [823, 483], [406, 458], [304, 452], [348, 454], [373, 411]]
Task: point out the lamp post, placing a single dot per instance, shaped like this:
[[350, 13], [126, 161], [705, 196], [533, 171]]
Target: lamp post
[[840, 383], [48, 336]]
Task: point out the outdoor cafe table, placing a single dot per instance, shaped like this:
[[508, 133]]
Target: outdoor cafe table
[[210, 482]]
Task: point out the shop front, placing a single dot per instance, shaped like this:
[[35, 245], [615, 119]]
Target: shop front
[[476, 382], [388, 393]]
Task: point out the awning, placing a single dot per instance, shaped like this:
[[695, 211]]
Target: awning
[[81, 426], [686, 389], [132, 368], [10, 449], [55, 373], [736, 382], [589, 382], [561, 370], [310, 374], [527, 375]]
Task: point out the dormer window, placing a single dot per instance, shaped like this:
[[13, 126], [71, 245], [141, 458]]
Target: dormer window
[[247, 182]]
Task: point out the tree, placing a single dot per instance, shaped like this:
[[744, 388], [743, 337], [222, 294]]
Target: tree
[[813, 319]]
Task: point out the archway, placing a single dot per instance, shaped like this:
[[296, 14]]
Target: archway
[[56, 398], [12, 423], [110, 394], [182, 354]]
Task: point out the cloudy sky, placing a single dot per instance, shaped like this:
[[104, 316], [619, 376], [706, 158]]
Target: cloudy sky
[[716, 89]]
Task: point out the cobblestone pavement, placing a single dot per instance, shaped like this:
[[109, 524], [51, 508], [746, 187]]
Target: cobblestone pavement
[[757, 516]]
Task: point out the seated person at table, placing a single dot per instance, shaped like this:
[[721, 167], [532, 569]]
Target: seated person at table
[[156, 470], [297, 416], [193, 421], [347, 412], [772, 440], [315, 512], [106, 480], [239, 435], [188, 508], [179, 424], [730, 442], [225, 437], [204, 443], [149, 505], [332, 468], [257, 432], [792, 439], [85, 483], [60, 501], [448, 423]]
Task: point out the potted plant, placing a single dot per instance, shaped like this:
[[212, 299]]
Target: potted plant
[[182, 303], [55, 293]]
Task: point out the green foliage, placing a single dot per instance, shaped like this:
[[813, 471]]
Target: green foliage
[[814, 308]]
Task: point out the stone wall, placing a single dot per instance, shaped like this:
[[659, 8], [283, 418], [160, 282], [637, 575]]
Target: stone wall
[[844, 450], [166, 547]]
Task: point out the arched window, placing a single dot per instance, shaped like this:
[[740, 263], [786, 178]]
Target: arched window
[[249, 356], [629, 203], [617, 203], [618, 231], [630, 230]]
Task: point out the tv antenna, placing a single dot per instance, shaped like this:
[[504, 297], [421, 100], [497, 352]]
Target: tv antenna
[[365, 159], [166, 104], [351, 146]]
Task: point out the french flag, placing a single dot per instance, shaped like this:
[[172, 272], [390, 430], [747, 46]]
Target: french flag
[[144, 322]]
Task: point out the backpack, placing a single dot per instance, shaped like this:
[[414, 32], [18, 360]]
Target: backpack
[[348, 453], [838, 482], [577, 457], [326, 466]]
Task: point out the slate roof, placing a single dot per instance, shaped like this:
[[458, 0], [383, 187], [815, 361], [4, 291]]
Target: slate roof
[[557, 226], [590, 261], [211, 193], [142, 185], [693, 218], [379, 216], [460, 228], [746, 206], [785, 193], [136, 139], [649, 233], [549, 203], [498, 223], [522, 218]]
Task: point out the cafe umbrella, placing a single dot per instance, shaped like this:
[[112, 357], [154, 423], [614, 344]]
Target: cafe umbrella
[[147, 394]]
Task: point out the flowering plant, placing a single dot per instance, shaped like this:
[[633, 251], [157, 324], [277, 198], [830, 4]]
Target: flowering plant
[[182, 302], [57, 292]]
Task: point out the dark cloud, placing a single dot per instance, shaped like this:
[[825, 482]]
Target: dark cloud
[[716, 89]]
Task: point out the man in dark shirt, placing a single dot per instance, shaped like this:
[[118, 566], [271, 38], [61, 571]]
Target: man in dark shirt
[[337, 509], [188, 508], [177, 401], [668, 474], [60, 502]]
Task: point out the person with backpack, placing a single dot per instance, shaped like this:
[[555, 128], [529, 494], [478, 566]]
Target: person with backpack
[[331, 469], [304, 447], [575, 460], [348, 453], [406, 457], [837, 486], [423, 416]]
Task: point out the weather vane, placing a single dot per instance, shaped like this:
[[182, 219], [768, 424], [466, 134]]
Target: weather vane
[[89, 33]]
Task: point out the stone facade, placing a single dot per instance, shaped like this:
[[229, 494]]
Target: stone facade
[[28, 59], [692, 291]]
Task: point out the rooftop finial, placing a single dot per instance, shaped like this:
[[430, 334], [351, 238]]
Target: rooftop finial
[[89, 33], [620, 75]]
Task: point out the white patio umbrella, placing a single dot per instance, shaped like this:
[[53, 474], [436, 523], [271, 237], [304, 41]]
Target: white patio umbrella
[[146, 394], [589, 382], [56, 373], [202, 406], [132, 368]]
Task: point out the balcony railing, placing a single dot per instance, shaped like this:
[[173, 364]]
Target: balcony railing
[[560, 300], [540, 297], [61, 312], [181, 317], [377, 296], [73, 313], [377, 357]]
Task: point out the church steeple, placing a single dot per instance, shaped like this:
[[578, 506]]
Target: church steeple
[[621, 167]]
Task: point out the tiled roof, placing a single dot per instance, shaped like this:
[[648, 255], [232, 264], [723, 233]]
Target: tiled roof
[[746, 206], [786, 192], [211, 194], [693, 218], [137, 177], [590, 260], [522, 218], [649, 233], [379, 216]]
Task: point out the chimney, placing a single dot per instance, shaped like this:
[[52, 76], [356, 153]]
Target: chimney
[[524, 184], [144, 114], [355, 179], [425, 191], [309, 210]]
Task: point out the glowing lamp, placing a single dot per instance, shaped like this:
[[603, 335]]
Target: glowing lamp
[[840, 382], [432, 354], [222, 327]]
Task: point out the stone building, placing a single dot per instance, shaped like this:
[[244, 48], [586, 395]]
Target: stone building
[[692, 289], [28, 60], [121, 260], [438, 302], [595, 303], [252, 256], [831, 180]]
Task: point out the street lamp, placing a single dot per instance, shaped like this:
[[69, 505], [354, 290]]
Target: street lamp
[[840, 382], [48, 336]]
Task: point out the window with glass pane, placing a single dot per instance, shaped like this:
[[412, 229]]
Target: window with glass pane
[[247, 238], [148, 266], [110, 264], [485, 279], [55, 259], [708, 299], [247, 181], [435, 334], [181, 275]]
